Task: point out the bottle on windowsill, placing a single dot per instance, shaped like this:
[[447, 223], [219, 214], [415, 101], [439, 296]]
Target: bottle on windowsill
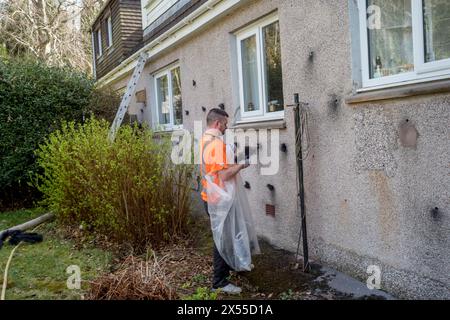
[[377, 73], [378, 68], [378, 62]]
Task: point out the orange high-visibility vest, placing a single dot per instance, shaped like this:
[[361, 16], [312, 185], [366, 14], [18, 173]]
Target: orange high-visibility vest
[[214, 159]]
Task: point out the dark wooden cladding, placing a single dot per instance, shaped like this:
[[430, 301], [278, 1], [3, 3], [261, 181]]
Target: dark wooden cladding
[[127, 29], [127, 33], [131, 25]]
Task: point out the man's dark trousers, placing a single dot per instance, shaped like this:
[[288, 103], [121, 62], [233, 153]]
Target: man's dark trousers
[[221, 268]]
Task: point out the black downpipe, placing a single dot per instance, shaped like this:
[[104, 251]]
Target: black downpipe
[[301, 191]]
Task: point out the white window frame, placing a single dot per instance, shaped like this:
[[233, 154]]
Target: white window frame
[[99, 42], [423, 71], [166, 72], [262, 114], [109, 29]]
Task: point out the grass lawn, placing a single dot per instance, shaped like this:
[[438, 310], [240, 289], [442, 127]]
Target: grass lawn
[[38, 271]]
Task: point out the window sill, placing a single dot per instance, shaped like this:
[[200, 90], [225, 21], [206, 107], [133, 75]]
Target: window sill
[[167, 131], [279, 123], [405, 91]]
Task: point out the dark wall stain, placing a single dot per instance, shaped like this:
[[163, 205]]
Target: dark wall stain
[[334, 101], [388, 220], [408, 134]]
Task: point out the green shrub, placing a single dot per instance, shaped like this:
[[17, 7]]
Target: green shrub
[[104, 103], [34, 100], [128, 190]]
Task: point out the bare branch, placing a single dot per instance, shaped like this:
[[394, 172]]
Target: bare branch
[[44, 29]]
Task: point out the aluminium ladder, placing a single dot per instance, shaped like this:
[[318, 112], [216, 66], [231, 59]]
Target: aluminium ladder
[[131, 88]]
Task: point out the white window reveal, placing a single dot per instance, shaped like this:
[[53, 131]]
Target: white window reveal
[[169, 105], [110, 31], [260, 71], [404, 41], [99, 42]]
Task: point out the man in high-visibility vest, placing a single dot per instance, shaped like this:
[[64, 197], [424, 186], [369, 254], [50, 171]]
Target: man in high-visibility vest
[[214, 163]]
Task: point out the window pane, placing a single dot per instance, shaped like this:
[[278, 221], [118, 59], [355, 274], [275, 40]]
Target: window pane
[[99, 42], [106, 32], [390, 37], [177, 102], [436, 14], [110, 39], [250, 74], [274, 85], [163, 100]]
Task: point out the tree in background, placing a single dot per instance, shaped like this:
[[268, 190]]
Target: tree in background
[[54, 31]]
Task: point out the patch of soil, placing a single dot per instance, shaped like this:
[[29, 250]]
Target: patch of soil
[[187, 266]]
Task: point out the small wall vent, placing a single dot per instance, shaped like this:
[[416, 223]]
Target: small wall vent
[[270, 210]]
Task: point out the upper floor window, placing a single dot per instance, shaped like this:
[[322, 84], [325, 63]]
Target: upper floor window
[[169, 106], [99, 42], [260, 71], [404, 41], [109, 32]]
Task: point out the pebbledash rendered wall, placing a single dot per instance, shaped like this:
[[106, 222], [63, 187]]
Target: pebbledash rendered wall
[[369, 197]]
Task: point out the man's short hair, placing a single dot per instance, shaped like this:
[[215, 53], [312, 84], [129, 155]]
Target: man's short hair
[[214, 115]]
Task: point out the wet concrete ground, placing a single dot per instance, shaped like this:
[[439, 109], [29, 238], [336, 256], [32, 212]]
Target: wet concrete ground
[[277, 275]]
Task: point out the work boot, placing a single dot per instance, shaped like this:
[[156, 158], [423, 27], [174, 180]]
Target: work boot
[[229, 289]]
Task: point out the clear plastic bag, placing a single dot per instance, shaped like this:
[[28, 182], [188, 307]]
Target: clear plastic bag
[[231, 222]]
